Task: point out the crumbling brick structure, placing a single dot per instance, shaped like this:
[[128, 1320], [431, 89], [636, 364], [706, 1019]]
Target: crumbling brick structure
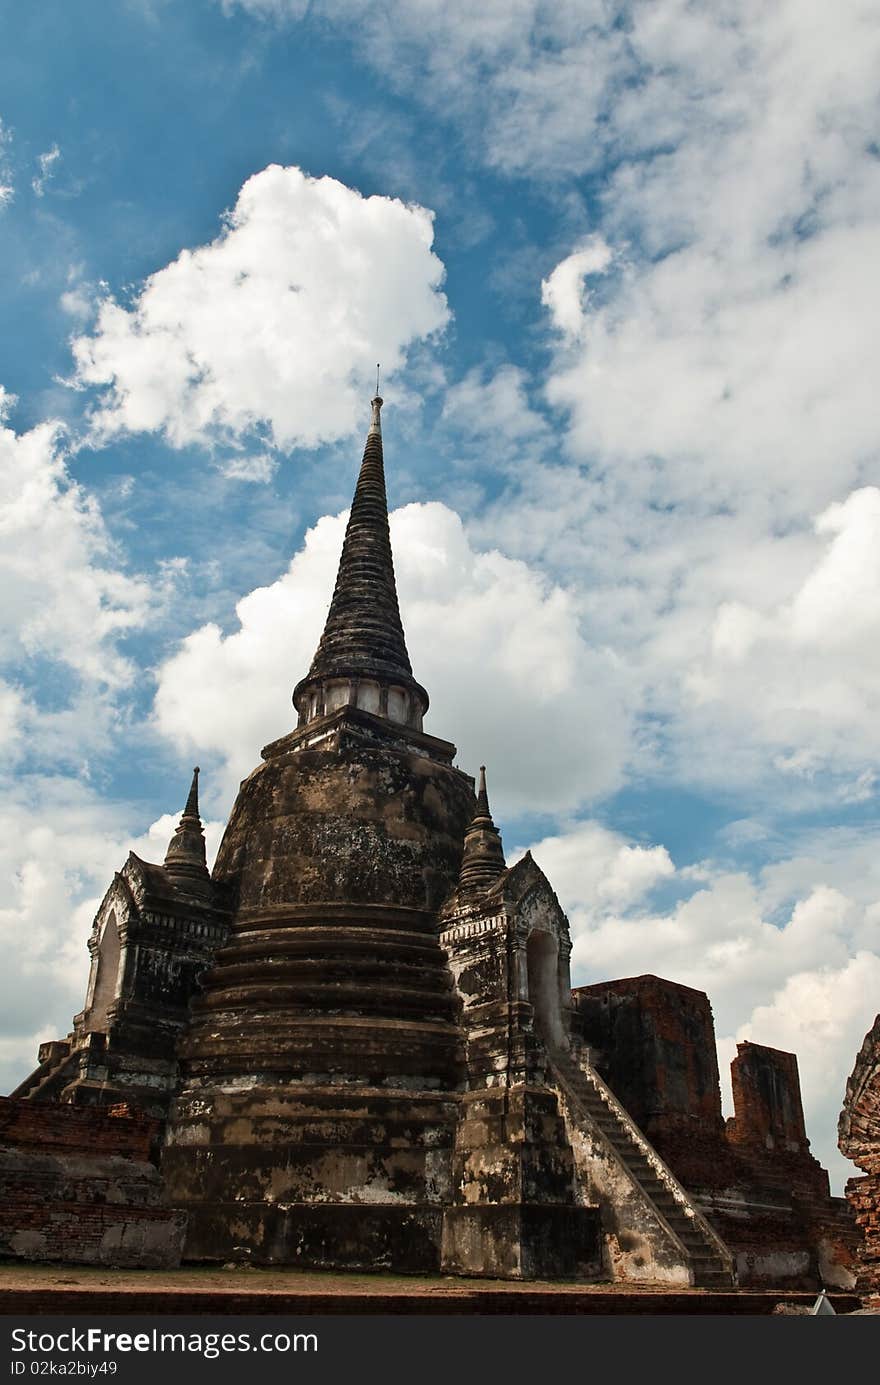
[[753, 1175], [654, 1043], [859, 1140], [82, 1186]]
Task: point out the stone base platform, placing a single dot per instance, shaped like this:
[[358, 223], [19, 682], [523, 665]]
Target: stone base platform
[[524, 1241], [322, 1236]]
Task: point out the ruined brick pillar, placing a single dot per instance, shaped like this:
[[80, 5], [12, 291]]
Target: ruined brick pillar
[[768, 1110], [859, 1140], [653, 1041]]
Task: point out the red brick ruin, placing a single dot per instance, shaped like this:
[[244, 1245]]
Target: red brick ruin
[[753, 1174], [80, 1184], [859, 1140]]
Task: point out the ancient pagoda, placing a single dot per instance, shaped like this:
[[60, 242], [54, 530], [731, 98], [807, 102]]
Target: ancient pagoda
[[319, 1075], [358, 1040]]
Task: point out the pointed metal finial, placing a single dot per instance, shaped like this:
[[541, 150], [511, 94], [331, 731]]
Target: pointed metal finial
[[375, 405]]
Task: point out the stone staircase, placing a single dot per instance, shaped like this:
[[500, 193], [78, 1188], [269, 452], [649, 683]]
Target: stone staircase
[[46, 1081], [587, 1096]]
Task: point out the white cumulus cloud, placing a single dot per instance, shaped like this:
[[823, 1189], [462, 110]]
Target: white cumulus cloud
[[726, 367], [257, 469], [819, 703], [563, 291], [276, 325], [67, 597]]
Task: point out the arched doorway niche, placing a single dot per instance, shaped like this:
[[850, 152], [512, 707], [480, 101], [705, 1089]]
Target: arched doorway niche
[[543, 969], [106, 974]]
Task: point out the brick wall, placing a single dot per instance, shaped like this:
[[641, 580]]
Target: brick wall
[[45, 1125], [767, 1102], [863, 1195], [77, 1186], [655, 1043], [859, 1140]]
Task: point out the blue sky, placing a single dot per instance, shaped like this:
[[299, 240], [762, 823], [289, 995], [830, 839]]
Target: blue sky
[[619, 264]]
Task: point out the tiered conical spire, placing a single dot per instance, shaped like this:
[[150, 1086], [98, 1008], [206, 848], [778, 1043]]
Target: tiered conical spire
[[363, 636], [185, 859], [483, 859]]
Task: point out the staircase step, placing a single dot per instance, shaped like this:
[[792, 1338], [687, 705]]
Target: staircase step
[[651, 1183], [707, 1266], [684, 1230]]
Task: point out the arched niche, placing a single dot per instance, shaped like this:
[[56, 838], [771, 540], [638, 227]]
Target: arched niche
[[106, 974], [542, 968]]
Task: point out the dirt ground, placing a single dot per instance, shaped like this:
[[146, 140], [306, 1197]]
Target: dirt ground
[[253, 1279], [242, 1289]]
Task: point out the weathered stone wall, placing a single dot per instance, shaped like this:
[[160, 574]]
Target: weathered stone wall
[[350, 822], [637, 1244], [79, 1186], [515, 1213], [323, 1059], [152, 938], [777, 1204], [654, 1043]]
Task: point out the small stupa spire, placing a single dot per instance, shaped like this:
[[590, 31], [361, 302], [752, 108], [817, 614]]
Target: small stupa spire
[[483, 860], [483, 796], [192, 799], [185, 859], [363, 637]]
